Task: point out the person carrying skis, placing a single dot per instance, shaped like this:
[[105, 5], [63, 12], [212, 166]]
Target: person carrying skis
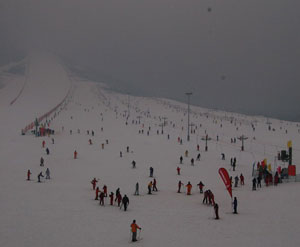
[[94, 183], [201, 185], [111, 196], [179, 186], [189, 188], [136, 193], [149, 187], [47, 173], [216, 208], [178, 170], [125, 202], [39, 176], [97, 193], [134, 228], [154, 188], [28, 175], [235, 205]]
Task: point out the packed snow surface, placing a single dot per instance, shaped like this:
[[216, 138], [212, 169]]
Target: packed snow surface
[[62, 211]]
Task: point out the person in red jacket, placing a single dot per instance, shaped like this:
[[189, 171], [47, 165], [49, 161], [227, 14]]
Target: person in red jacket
[[43, 144], [105, 190], [178, 170], [75, 154], [119, 199], [134, 228], [189, 188], [94, 183], [111, 196], [179, 186], [28, 175], [242, 179], [97, 193]]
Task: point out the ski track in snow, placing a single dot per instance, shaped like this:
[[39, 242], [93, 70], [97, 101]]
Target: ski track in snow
[[63, 212]]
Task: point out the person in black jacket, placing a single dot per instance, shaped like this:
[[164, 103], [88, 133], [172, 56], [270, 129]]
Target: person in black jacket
[[125, 202], [235, 205]]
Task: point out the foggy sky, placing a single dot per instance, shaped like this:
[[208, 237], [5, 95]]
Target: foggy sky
[[241, 56]]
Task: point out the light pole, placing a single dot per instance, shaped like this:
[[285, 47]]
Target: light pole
[[188, 131]]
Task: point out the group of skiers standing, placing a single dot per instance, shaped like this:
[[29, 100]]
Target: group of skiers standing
[[117, 197]]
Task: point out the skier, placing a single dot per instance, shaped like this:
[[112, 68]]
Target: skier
[[119, 199], [186, 153], [254, 184], [97, 193], [154, 185], [235, 205], [216, 208], [236, 181], [242, 179], [47, 173], [28, 175], [47, 151], [136, 193], [127, 149], [52, 140], [39, 176], [189, 188], [105, 190], [223, 156], [90, 141], [178, 170], [121, 154], [134, 228], [276, 179], [192, 161], [111, 196], [198, 156], [75, 154], [151, 171], [43, 144], [133, 164], [101, 198], [198, 147], [94, 183], [93, 133], [179, 186], [201, 185], [180, 159], [42, 161], [125, 202], [205, 197], [149, 187], [117, 192], [259, 181]]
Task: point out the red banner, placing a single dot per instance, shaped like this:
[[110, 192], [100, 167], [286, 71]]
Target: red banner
[[225, 177]]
